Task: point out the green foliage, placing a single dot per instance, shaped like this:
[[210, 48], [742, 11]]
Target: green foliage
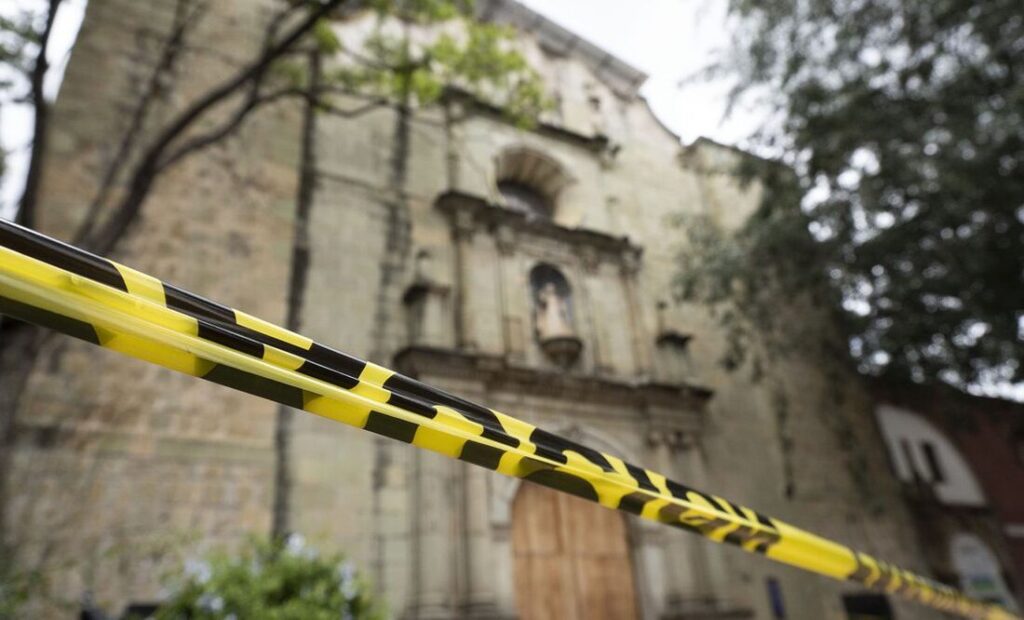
[[19, 41], [326, 41], [743, 276], [271, 581], [460, 52], [16, 586], [906, 118], [423, 11]]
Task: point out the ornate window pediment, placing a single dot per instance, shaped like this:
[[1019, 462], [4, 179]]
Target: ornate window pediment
[[530, 182]]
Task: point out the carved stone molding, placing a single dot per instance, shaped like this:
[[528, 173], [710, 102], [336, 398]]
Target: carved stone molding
[[505, 238], [469, 212], [631, 261], [707, 609], [672, 438], [464, 225], [657, 403], [589, 259]]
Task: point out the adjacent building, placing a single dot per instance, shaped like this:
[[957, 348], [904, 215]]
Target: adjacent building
[[961, 461]]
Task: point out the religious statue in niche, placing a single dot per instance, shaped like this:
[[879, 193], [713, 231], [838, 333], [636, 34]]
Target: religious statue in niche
[[552, 315]]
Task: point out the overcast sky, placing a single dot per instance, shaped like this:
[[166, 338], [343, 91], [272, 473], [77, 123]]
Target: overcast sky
[[667, 39], [16, 120]]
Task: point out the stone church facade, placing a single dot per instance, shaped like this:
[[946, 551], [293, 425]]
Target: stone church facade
[[530, 270]]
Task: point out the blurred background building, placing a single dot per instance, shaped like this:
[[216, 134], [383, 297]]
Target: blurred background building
[[531, 270]]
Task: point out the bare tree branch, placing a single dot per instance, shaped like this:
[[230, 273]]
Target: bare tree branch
[[184, 20], [335, 110], [202, 141], [251, 104], [144, 173]]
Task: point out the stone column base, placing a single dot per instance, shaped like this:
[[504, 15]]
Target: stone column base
[[710, 609], [486, 611]]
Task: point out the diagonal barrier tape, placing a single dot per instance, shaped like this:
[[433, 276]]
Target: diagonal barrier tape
[[67, 289]]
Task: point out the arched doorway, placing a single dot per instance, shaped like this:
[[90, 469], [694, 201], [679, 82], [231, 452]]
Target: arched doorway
[[572, 558]]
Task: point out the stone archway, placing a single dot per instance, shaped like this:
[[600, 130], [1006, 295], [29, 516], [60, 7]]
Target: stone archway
[[571, 558]]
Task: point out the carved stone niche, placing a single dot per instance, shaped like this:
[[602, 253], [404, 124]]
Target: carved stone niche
[[425, 303], [560, 319], [553, 315], [672, 349]]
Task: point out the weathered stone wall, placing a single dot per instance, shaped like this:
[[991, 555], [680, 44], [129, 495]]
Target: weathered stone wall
[[143, 454], [120, 466]]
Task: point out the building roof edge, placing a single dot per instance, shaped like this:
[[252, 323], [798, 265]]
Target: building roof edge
[[620, 76]]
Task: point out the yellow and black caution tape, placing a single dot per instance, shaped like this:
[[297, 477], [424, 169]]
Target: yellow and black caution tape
[[59, 286]]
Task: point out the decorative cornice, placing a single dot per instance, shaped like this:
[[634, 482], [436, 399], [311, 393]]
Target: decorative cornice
[[463, 104], [496, 372], [464, 224], [462, 207], [506, 238], [631, 261], [619, 75], [590, 259]]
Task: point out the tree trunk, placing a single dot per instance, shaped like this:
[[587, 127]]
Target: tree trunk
[[281, 525]]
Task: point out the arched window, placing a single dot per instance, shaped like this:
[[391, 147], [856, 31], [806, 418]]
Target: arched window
[[923, 455], [524, 199], [529, 181]]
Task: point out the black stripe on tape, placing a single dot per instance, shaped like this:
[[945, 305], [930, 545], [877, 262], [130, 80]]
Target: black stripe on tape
[[323, 373], [500, 437], [51, 320], [640, 475], [62, 255], [634, 502], [565, 482], [388, 426], [335, 360], [758, 540], [196, 306], [481, 454], [256, 385], [414, 405], [679, 490], [215, 333], [556, 446], [483, 416]]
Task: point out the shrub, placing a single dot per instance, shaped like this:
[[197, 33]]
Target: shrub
[[271, 580]]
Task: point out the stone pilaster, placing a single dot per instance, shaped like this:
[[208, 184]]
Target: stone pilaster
[[682, 559], [432, 539], [505, 239], [480, 597], [640, 335], [463, 229]]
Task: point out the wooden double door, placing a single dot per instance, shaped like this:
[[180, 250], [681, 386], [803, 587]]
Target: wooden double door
[[572, 558]]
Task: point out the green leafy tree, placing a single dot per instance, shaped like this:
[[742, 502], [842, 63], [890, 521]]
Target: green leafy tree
[[266, 580], [903, 124]]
